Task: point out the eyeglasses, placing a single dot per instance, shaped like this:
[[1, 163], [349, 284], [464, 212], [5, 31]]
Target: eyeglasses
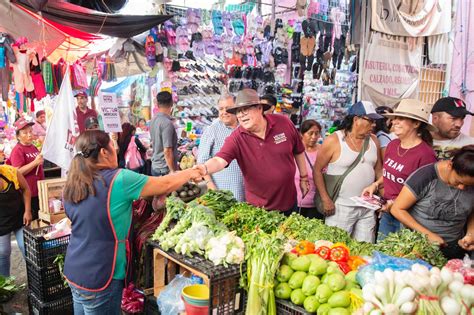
[[370, 120], [244, 110]]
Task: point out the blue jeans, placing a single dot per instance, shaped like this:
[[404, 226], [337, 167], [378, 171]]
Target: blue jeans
[[98, 303], [6, 250], [388, 224], [159, 172]]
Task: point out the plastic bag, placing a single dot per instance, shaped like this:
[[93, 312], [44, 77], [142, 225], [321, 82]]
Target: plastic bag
[[132, 300], [380, 262], [169, 302], [465, 267]]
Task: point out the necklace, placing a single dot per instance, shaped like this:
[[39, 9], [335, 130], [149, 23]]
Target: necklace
[[404, 153], [353, 144]]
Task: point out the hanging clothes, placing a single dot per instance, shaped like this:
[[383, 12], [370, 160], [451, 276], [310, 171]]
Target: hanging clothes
[[21, 71], [37, 77], [47, 71], [7, 57]]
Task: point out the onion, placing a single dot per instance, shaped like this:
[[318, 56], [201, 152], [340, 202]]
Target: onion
[[408, 308], [450, 306]]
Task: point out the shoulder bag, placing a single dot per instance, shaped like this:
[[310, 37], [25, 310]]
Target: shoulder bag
[[333, 183]]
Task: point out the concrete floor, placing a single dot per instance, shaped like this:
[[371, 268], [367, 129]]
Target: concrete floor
[[19, 303]]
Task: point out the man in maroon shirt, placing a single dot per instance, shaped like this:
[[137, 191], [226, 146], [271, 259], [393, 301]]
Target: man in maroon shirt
[[265, 147], [82, 111]]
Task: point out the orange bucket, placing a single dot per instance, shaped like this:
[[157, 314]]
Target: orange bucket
[[195, 310]]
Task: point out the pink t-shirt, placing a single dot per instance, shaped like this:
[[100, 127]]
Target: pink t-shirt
[[308, 201], [399, 163], [25, 154]]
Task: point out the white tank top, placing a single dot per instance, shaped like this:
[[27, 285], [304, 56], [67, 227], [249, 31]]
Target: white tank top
[[360, 177]]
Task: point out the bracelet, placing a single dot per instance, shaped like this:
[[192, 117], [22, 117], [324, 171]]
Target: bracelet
[[304, 176], [205, 167], [304, 180]]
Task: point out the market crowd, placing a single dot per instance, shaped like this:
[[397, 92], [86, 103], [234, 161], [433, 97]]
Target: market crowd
[[383, 169]]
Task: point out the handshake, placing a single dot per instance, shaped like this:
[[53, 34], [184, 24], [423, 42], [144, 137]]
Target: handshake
[[197, 173]]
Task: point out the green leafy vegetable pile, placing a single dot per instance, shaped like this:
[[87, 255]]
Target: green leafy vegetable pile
[[412, 245], [244, 218], [218, 200]]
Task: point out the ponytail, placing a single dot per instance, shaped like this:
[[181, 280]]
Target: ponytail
[[83, 170]]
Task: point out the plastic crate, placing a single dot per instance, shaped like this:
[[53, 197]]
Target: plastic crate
[[62, 306], [41, 252], [226, 296], [46, 283], [285, 307]]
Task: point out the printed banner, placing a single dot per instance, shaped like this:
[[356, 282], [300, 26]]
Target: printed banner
[[391, 69], [411, 18], [58, 146], [110, 112]]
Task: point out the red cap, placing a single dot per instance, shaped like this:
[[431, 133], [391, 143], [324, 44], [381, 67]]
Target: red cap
[[22, 123], [81, 93]]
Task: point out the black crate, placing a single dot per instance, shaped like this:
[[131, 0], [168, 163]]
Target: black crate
[[41, 252], [285, 307], [150, 308], [46, 283], [62, 306], [225, 294]]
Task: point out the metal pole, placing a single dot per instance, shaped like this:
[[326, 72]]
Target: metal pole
[[273, 16], [362, 48]]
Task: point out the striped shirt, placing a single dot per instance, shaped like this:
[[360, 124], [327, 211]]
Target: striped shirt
[[211, 142]]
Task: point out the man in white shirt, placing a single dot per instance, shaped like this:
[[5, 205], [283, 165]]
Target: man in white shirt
[[448, 116]]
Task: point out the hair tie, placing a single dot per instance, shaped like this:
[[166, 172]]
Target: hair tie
[[80, 153]]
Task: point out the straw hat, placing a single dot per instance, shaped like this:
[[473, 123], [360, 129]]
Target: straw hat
[[413, 109], [246, 98]]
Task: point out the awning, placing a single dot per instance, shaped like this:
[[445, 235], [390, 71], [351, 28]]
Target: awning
[[95, 22]]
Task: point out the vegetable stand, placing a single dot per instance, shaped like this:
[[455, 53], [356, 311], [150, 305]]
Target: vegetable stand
[[223, 282]]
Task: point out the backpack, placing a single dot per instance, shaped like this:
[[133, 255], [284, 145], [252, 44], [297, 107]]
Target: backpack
[[133, 159]]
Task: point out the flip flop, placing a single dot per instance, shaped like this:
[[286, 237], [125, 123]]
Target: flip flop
[[217, 22], [227, 21], [238, 25], [170, 33], [217, 46], [199, 50]]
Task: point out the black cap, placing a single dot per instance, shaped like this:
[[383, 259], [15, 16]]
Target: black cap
[[451, 105], [91, 123]]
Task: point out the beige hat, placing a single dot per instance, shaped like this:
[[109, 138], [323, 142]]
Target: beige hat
[[413, 109], [246, 98]]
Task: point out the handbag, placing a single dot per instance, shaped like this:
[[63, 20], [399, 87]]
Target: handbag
[[333, 183], [133, 158]]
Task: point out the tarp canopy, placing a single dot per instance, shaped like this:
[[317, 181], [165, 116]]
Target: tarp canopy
[[16, 22], [94, 22]]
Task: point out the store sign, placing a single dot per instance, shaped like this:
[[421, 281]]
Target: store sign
[[411, 18], [110, 112], [391, 68]]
